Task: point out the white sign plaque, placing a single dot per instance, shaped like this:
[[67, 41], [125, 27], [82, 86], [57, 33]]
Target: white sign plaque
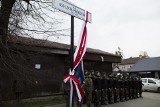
[[46, 1], [37, 66], [71, 9], [0, 4]]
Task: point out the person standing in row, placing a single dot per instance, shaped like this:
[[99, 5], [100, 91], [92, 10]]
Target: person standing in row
[[116, 90], [110, 90], [88, 89], [104, 96], [140, 84], [103, 89], [97, 90]]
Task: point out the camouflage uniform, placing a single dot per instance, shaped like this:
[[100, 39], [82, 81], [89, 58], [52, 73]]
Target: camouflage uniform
[[121, 82], [97, 90], [140, 86], [126, 91], [130, 88], [104, 96], [88, 88], [116, 91], [93, 77], [133, 88], [110, 90], [136, 87]]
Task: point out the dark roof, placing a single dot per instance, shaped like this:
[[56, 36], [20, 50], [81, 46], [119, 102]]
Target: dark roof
[[51, 44], [131, 60], [146, 64], [37, 42]]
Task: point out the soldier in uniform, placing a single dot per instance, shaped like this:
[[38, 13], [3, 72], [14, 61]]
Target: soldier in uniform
[[92, 74], [104, 96], [88, 89], [93, 79], [126, 88], [97, 90], [121, 82], [140, 86], [136, 87], [130, 87], [110, 90], [115, 89], [133, 88], [118, 88]]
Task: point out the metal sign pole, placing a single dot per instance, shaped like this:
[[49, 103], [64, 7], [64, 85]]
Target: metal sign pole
[[72, 43], [72, 51]]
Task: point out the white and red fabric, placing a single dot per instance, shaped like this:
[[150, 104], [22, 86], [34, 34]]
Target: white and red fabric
[[76, 83], [78, 55], [81, 47]]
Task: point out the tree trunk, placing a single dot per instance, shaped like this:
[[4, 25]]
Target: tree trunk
[[5, 12]]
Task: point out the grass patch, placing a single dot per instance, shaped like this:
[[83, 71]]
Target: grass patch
[[52, 100]]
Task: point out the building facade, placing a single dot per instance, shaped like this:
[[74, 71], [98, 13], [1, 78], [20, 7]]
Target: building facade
[[147, 67], [126, 64], [32, 67]]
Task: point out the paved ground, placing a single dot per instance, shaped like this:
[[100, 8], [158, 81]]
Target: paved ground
[[149, 99]]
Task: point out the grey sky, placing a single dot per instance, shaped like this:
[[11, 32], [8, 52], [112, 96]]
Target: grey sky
[[132, 25]]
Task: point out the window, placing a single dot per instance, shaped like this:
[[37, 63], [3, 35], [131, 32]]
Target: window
[[144, 80], [151, 81]]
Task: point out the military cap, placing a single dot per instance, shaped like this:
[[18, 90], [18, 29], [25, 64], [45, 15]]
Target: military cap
[[110, 76], [86, 73], [97, 73], [103, 73]]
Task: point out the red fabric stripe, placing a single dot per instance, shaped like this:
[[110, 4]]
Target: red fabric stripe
[[80, 89], [75, 79], [77, 82], [80, 51], [81, 48], [86, 16], [65, 77]]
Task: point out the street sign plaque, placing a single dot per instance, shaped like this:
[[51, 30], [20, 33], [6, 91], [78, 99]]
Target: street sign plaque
[[0, 4], [71, 9], [47, 1]]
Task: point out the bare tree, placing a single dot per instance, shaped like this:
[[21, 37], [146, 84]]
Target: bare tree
[[25, 18], [144, 53], [29, 18], [5, 11], [119, 52]]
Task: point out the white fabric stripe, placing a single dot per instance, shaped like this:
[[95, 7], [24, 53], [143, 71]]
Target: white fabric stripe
[[80, 38], [65, 80], [82, 67], [85, 45], [79, 41], [78, 93], [83, 50], [82, 55]]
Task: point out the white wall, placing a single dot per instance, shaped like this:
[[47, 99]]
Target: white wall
[[125, 67]]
